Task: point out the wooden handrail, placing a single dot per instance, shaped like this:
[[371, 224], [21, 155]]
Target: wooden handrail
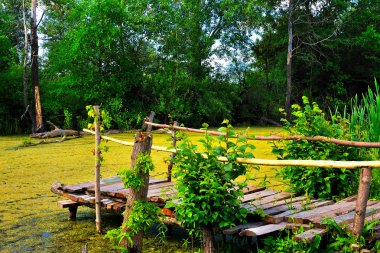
[[270, 162], [360, 144]]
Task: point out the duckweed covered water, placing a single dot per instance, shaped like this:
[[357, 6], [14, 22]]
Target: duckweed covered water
[[30, 220]]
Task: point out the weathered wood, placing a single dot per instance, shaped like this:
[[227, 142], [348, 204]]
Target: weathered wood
[[349, 217], [98, 220], [303, 217], [361, 203], [270, 199], [318, 218], [172, 155], [253, 188], [309, 235], [67, 203], [278, 137], [269, 162], [263, 230], [294, 209], [237, 229], [73, 212], [297, 226], [258, 195], [143, 143], [208, 240], [276, 203], [370, 218]]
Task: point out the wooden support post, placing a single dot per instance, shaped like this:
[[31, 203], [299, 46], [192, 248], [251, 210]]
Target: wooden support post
[[361, 202], [142, 144], [73, 212], [174, 144], [97, 170], [151, 117]]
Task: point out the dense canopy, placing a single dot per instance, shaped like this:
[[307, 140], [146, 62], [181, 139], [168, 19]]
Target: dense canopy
[[188, 60]]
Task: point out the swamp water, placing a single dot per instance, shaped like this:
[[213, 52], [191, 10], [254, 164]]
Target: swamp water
[[30, 220]]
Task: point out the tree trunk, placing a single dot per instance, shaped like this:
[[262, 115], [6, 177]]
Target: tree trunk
[[143, 144], [98, 220], [25, 72], [34, 67], [174, 144], [208, 240], [361, 202], [289, 61]]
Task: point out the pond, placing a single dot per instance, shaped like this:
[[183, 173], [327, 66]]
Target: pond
[[30, 220]]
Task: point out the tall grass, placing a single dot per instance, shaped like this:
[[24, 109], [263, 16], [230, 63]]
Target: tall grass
[[365, 116], [364, 124]]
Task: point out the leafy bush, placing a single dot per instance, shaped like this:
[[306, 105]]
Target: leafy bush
[[310, 120], [209, 198]]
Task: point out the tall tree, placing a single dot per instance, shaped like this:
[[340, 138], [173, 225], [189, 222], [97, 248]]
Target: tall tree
[[289, 58], [25, 79], [39, 125]]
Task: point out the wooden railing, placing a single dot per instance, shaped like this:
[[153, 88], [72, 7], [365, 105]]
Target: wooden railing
[[365, 166]]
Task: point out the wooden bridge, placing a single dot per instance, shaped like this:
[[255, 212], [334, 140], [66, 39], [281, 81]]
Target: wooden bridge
[[270, 210], [278, 210]]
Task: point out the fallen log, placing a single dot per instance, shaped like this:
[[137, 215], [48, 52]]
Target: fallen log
[[57, 132]]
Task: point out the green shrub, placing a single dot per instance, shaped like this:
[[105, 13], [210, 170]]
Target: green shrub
[[323, 183], [209, 198]]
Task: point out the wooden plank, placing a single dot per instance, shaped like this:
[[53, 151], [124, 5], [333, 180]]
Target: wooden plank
[[317, 215], [300, 217], [67, 203], [370, 218], [272, 199], [309, 235], [252, 189], [349, 217], [168, 191], [237, 229], [263, 230], [318, 218], [258, 195], [297, 207], [77, 187], [296, 227]]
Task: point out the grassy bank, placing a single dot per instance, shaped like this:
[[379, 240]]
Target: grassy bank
[[29, 218]]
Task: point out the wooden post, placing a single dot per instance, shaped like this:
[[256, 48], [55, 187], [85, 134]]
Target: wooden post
[[174, 144], [361, 202], [151, 117], [97, 170], [142, 144]]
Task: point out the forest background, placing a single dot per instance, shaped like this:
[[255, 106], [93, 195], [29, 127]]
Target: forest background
[[194, 60]]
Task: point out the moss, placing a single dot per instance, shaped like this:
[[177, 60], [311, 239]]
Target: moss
[[30, 220]]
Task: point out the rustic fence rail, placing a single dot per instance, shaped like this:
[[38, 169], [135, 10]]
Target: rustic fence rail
[[366, 166]]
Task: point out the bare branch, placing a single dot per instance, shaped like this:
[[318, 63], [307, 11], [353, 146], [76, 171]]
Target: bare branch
[[43, 13]]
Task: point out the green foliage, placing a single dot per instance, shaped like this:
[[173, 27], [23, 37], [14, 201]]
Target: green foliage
[[323, 183], [104, 118], [208, 195], [364, 119], [26, 141], [131, 177], [143, 214], [365, 116], [338, 239], [68, 122], [287, 244]]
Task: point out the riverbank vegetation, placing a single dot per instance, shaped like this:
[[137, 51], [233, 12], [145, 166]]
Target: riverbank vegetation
[[199, 61]]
